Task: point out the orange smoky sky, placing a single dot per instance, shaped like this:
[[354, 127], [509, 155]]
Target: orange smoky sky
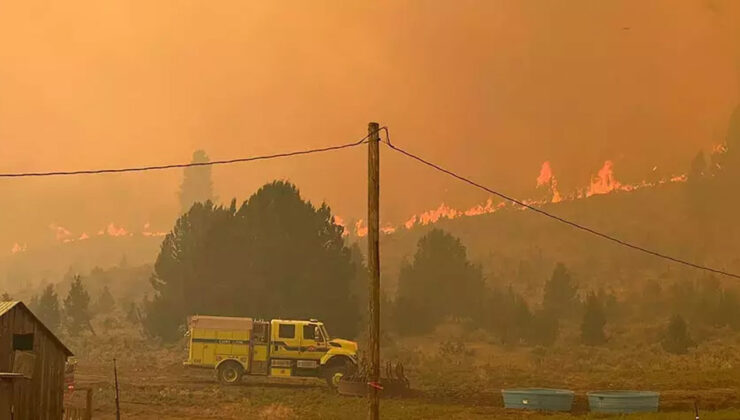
[[492, 88]]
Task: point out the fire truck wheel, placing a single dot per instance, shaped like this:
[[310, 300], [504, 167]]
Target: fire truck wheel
[[334, 374], [230, 373]]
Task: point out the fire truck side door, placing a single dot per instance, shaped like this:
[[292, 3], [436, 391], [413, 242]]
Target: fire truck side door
[[285, 341], [312, 345]]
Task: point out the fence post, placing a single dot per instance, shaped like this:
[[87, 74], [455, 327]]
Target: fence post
[[89, 404]]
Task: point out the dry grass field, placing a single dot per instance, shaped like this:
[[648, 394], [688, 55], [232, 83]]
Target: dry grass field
[[464, 384]]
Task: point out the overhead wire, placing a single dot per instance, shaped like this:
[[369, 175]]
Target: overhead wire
[[184, 165]]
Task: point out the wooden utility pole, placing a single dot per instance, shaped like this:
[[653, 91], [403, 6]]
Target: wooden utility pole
[[373, 261], [115, 376]]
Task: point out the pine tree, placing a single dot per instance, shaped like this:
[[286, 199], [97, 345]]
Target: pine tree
[[439, 282], [277, 255], [47, 308], [508, 316], [77, 307], [560, 292], [105, 302], [676, 339], [594, 320], [6, 297]]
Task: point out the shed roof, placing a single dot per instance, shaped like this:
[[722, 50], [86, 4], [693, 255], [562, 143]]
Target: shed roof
[[6, 306]]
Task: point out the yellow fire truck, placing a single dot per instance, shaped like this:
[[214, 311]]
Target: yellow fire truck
[[278, 348]]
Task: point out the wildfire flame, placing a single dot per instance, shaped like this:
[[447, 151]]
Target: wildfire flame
[[114, 230], [545, 174], [18, 248], [147, 232], [388, 229], [605, 182], [489, 207], [340, 222], [360, 228], [446, 212], [64, 235], [547, 178], [60, 232]]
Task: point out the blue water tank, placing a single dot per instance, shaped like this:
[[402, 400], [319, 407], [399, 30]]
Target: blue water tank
[[623, 402], [538, 399]]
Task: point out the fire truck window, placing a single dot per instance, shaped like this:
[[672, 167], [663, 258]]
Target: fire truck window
[[23, 342], [309, 332], [286, 331]]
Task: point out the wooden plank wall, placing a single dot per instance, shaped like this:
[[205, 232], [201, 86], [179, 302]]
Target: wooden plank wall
[[40, 397]]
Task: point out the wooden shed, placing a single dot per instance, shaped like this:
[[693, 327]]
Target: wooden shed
[[32, 362]]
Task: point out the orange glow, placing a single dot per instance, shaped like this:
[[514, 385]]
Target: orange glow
[[147, 232], [340, 222], [388, 229], [160, 79], [17, 248], [114, 230], [604, 182], [360, 228], [60, 232], [545, 175], [547, 178]]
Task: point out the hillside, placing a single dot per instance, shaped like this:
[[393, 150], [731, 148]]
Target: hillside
[[520, 247], [514, 246]]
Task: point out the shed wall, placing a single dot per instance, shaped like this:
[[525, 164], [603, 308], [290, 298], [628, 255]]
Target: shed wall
[[41, 396]]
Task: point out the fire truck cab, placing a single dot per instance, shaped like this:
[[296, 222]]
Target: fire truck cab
[[280, 348]]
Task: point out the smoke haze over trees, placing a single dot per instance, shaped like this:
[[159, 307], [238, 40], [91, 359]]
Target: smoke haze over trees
[[197, 186], [518, 115]]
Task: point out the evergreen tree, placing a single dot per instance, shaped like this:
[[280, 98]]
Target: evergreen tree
[[676, 339], [275, 256], [197, 186], [594, 320], [507, 316], [440, 282], [105, 302], [46, 308], [560, 292], [729, 309], [77, 307], [6, 297]]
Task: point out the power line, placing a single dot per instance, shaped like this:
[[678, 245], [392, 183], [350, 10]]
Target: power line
[[184, 165], [558, 218]]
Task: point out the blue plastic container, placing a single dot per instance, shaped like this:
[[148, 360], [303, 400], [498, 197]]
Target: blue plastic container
[[538, 399], [623, 402]]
